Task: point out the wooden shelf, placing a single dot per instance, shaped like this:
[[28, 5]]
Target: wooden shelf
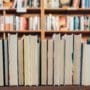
[[68, 10], [23, 31], [30, 10], [46, 88], [83, 32]]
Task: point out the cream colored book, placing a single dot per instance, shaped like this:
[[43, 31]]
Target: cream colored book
[[34, 65], [20, 61], [50, 62], [27, 60], [1, 65], [56, 38], [62, 58], [1, 4], [68, 59], [77, 60], [44, 62], [13, 71], [86, 65]]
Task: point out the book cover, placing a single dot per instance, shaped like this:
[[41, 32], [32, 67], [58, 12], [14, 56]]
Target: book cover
[[13, 58]]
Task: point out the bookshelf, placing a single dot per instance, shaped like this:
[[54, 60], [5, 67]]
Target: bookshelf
[[42, 12]]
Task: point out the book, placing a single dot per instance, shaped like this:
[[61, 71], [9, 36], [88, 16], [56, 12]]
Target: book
[[34, 60], [63, 22], [31, 60], [56, 40], [1, 4], [21, 61], [76, 3], [76, 23], [50, 62], [7, 4], [68, 59], [62, 61], [2, 23], [77, 60], [1, 64], [13, 58], [85, 65], [27, 60], [6, 62], [65, 3], [44, 62]]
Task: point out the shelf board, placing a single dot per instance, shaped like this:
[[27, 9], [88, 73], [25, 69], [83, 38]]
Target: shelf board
[[46, 88], [68, 10], [69, 32], [32, 10], [23, 31]]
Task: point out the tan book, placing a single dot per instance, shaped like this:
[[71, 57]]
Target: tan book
[[65, 3], [44, 62], [50, 62], [7, 4], [68, 59], [20, 61], [76, 3], [1, 64], [34, 61], [56, 38], [77, 60], [13, 70], [6, 62], [62, 62], [86, 65], [27, 59], [63, 23], [7, 23]]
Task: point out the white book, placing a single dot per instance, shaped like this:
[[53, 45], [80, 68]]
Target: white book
[[71, 24], [56, 3], [13, 72], [49, 22], [83, 3], [1, 64], [20, 7], [2, 23], [57, 23], [17, 24], [53, 23], [44, 62], [86, 65], [68, 59], [82, 23], [35, 3], [77, 60], [30, 23], [7, 20], [21, 23], [1, 4], [68, 22], [50, 62], [35, 23]]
